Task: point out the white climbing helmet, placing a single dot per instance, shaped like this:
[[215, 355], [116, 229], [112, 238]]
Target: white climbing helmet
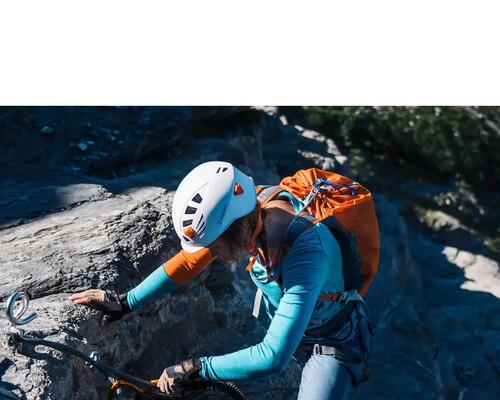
[[208, 200]]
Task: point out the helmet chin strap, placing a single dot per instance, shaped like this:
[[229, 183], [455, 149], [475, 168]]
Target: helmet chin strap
[[252, 247], [256, 251]]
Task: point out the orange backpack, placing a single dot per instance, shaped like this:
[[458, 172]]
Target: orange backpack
[[347, 209]]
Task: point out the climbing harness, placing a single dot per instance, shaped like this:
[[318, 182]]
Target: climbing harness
[[338, 351], [122, 383]]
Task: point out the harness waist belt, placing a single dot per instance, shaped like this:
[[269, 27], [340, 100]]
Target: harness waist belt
[[333, 351]]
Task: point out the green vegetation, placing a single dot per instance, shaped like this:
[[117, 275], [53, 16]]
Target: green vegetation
[[462, 143]]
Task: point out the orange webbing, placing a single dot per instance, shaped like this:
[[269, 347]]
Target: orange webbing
[[252, 248], [120, 384], [258, 252], [185, 266], [259, 189], [329, 297]]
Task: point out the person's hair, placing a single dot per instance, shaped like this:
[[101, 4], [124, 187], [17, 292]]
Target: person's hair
[[237, 236]]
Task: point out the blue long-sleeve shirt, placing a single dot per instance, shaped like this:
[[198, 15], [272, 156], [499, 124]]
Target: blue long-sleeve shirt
[[154, 287], [312, 266]]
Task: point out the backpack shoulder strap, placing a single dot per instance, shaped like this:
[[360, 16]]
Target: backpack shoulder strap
[[296, 228], [267, 194]]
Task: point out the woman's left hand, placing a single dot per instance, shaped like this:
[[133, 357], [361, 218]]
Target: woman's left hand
[[112, 305], [172, 377]]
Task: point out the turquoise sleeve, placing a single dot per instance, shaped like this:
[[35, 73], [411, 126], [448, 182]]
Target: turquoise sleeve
[[155, 286], [305, 269]]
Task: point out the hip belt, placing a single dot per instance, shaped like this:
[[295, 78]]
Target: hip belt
[[332, 351]]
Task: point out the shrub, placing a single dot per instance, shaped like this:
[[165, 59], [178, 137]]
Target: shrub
[[458, 142]]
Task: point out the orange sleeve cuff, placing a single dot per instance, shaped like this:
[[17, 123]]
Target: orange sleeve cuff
[[185, 266]]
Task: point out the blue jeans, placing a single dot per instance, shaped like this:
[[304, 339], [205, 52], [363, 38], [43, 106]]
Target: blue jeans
[[325, 377]]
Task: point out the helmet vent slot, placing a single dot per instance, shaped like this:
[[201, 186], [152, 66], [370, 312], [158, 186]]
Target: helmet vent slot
[[202, 228], [190, 210], [186, 238], [197, 199], [187, 222], [199, 222]]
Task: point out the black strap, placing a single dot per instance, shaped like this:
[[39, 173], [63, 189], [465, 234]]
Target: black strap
[[297, 227], [191, 367], [122, 298]]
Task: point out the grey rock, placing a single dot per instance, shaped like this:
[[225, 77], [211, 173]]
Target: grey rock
[[482, 273]]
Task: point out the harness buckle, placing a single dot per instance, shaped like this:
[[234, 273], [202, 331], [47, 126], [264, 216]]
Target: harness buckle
[[344, 296]]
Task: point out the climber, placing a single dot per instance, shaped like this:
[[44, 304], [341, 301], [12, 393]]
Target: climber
[[316, 314]]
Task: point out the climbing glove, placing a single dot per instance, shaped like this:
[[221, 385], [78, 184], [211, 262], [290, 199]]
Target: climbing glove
[[173, 378], [112, 306]]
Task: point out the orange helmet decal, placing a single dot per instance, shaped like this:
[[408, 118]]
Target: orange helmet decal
[[238, 189], [189, 232]]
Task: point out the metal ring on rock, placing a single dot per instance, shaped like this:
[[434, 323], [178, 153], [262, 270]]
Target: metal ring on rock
[[14, 316]]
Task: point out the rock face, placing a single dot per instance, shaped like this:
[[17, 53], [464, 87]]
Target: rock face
[[98, 215]]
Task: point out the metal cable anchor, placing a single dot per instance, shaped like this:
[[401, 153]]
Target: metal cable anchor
[[15, 315]]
